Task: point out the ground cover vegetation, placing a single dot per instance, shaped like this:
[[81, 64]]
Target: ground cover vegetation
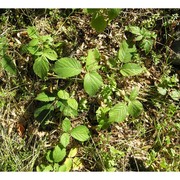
[[88, 90]]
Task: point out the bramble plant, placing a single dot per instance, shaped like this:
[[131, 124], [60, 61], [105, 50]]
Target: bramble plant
[[126, 55], [69, 67], [119, 112], [42, 48], [50, 101], [168, 86], [59, 154], [145, 38]]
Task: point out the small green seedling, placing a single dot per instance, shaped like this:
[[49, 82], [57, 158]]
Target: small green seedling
[[41, 48], [57, 157], [119, 112], [142, 35], [125, 55]]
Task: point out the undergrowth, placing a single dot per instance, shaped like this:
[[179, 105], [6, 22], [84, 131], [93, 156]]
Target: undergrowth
[[88, 90]]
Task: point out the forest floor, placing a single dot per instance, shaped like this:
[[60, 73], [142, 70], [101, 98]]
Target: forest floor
[[146, 138]]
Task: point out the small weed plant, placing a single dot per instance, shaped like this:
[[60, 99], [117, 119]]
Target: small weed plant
[[58, 159]]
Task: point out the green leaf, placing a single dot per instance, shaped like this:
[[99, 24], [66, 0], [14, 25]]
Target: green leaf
[[47, 38], [72, 103], [65, 139], [33, 42], [77, 164], [80, 133], [43, 111], [62, 168], [134, 30], [147, 45], [66, 125], [123, 54], [32, 32], [98, 23], [48, 168], [113, 13], [50, 54], [145, 33], [8, 65], [67, 110], [58, 154], [175, 94], [118, 113], [72, 153], [138, 38], [45, 96], [38, 169], [62, 94], [34, 50], [134, 93], [131, 69], [68, 163], [3, 45], [92, 82], [67, 67], [91, 11], [41, 67], [49, 156], [92, 60], [135, 108], [56, 167], [162, 91]]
